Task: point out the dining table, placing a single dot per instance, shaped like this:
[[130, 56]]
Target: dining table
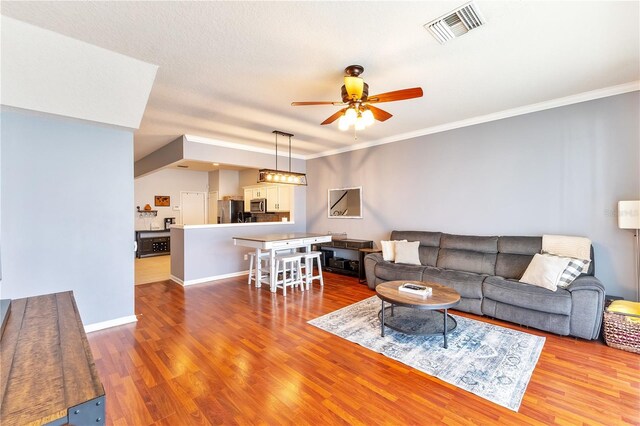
[[272, 243]]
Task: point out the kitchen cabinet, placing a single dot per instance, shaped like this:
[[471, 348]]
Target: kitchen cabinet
[[278, 197], [153, 243], [248, 195], [284, 198], [251, 192]]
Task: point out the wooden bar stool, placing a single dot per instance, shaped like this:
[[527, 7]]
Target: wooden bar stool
[[290, 266], [308, 268], [264, 257]]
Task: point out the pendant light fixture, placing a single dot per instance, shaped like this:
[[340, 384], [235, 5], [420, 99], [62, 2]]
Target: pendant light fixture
[[280, 176]]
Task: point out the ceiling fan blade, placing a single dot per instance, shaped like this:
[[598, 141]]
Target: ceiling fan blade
[[397, 95], [379, 114], [316, 103], [334, 117]]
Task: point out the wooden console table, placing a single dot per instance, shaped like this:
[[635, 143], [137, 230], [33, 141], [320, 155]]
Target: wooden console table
[[47, 372], [362, 247]]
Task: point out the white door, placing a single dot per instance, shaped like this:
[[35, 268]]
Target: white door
[[213, 207], [193, 208]]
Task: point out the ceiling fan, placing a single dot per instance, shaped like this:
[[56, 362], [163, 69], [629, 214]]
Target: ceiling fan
[[359, 110]]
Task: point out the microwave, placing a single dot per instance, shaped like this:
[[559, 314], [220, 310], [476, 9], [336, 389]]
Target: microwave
[[258, 205]]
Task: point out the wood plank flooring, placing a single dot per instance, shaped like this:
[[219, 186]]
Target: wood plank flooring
[[227, 353], [152, 269]]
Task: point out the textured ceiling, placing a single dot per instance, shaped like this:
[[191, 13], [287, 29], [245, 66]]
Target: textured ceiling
[[229, 70]]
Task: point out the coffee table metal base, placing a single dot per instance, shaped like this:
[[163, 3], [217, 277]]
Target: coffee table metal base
[[423, 322]]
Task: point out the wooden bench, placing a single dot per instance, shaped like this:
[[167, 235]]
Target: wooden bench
[[47, 372]]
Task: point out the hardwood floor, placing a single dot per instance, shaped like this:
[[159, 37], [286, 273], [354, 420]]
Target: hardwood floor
[[227, 353], [152, 269]]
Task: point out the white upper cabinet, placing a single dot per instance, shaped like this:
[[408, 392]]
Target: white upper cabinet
[[278, 197]]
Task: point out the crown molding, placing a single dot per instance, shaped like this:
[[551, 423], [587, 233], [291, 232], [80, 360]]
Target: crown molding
[[527, 109]]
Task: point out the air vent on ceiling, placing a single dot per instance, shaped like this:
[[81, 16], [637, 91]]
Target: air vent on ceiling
[[456, 23]]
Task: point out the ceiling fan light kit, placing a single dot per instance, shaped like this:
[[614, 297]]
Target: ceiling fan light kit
[[358, 111], [281, 176]]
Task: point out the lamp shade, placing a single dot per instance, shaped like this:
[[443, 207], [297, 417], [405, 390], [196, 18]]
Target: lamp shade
[[354, 86], [629, 214]]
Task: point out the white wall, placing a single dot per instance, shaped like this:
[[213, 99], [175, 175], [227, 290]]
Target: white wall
[[165, 182], [248, 177], [214, 182], [67, 223], [229, 183], [559, 171]]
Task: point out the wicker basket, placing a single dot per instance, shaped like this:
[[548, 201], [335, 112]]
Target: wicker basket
[[622, 331]]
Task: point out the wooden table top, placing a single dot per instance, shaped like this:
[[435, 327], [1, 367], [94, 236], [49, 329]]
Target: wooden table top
[[46, 365], [280, 237], [442, 297]]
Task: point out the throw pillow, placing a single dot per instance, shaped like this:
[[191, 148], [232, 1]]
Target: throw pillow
[[389, 249], [545, 271], [407, 252], [572, 271]]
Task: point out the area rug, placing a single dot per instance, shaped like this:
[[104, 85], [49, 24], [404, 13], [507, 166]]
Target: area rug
[[487, 360]]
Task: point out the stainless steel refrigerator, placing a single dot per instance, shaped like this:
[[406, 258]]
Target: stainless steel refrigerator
[[230, 210]]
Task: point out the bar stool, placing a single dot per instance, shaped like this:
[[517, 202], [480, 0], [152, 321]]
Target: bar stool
[[291, 263], [308, 268], [264, 257]]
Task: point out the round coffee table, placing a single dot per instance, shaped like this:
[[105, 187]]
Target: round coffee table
[[409, 321]]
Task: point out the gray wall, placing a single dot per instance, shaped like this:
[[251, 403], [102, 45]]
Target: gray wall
[[558, 171], [170, 153], [67, 212]]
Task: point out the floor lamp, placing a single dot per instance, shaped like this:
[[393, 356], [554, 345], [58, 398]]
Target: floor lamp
[[629, 218]]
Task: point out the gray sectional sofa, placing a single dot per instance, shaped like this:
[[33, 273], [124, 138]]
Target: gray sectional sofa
[[485, 271]]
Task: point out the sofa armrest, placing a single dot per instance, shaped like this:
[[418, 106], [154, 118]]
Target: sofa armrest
[[587, 306], [370, 262]]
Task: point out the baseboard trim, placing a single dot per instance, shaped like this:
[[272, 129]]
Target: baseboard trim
[[111, 323], [207, 279]]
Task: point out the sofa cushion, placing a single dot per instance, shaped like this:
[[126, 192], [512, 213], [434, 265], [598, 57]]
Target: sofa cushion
[[512, 265], [520, 245], [555, 323], [389, 271], [426, 238], [469, 285], [468, 253], [468, 261], [515, 254], [470, 243], [527, 296], [429, 244]]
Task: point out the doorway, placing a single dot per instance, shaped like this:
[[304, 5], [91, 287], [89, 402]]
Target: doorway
[[193, 208]]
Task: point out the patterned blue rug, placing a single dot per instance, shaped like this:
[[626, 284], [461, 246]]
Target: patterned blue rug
[[492, 362]]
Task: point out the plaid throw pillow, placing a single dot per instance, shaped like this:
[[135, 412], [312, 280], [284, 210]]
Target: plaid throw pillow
[[573, 270]]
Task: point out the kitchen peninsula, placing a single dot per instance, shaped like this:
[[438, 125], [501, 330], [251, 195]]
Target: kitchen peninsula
[[202, 253]]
